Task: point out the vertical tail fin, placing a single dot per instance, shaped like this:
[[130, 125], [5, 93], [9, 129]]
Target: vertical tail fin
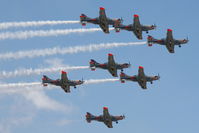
[[89, 117], [45, 80], [150, 40], [83, 18], [93, 64], [122, 77]]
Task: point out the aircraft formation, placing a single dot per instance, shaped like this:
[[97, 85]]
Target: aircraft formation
[[137, 28], [111, 66]]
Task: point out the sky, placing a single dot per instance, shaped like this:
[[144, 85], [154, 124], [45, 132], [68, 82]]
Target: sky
[[168, 105]]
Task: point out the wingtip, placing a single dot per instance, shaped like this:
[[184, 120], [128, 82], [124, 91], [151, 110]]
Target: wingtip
[[141, 67], [135, 15], [102, 8], [105, 108], [169, 29], [110, 54], [63, 72]]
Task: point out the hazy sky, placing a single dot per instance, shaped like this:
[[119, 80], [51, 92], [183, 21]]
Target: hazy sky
[[168, 105]]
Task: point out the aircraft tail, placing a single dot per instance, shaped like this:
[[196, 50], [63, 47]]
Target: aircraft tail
[[45, 80], [122, 77], [89, 117], [93, 64], [150, 40], [83, 19]]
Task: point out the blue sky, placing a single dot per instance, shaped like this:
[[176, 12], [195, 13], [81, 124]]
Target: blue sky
[[168, 105]]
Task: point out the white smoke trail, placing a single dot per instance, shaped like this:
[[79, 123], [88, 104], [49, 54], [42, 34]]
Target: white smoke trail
[[7, 25], [17, 85], [22, 87], [14, 87], [43, 33], [64, 50], [27, 72], [97, 81]]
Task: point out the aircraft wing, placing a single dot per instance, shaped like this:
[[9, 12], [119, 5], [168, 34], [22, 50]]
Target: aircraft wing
[[169, 34], [64, 77], [141, 75], [113, 71], [64, 82], [170, 41], [142, 84], [103, 20], [137, 29], [112, 66], [136, 20], [109, 124], [171, 49], [141, 71], [66, 88], [105, 112], [107, 118]]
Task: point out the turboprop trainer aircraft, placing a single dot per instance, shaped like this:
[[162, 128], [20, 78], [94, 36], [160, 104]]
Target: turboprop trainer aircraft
[[103, 21], [106, 118], [141, 78], [64, 82], [136, 27], [111, 65], [169, 41]]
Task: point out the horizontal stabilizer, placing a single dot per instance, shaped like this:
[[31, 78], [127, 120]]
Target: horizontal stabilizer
[[89, 117]]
